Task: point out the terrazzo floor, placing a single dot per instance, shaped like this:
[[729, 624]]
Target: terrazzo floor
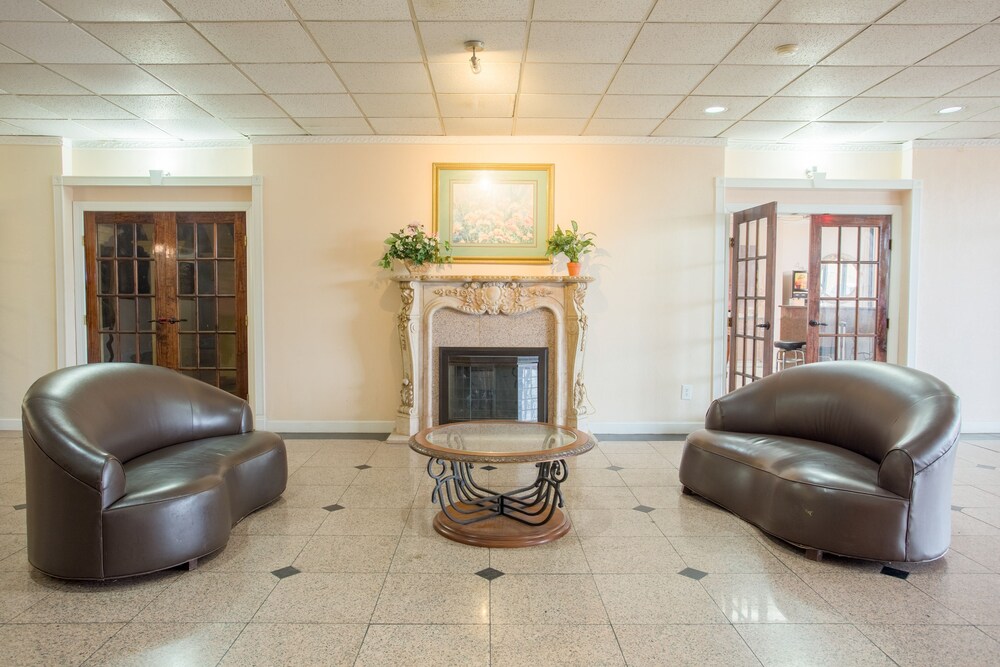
[[346, 569]]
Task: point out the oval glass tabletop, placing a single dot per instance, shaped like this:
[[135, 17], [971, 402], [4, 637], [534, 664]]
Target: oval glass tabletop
[[501, 441]]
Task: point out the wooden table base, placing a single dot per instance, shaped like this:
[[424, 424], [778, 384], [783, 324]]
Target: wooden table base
[[502, 532]]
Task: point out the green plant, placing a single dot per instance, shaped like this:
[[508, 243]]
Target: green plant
[[570, 243], [413, 244]]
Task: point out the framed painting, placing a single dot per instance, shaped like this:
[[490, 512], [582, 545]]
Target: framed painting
[[494, 212]]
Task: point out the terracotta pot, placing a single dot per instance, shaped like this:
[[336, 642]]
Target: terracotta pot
[[573, 268], [416, 269]]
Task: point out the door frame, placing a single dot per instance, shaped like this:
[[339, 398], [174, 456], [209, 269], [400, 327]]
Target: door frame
[[70, 269], [904, 256]]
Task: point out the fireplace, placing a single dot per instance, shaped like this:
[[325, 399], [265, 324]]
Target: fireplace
[[506, 383]]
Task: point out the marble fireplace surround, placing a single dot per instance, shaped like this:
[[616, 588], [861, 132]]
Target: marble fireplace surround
[[501, 296]]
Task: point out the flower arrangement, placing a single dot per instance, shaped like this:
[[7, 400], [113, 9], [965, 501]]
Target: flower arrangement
[[413, 245], [570, 243]]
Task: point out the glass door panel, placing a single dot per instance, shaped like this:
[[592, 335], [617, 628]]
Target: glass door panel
[[751, 337]]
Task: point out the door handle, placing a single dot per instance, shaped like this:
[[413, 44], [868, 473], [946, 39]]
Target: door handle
[[765, 325], [167, 320], [814, 323]]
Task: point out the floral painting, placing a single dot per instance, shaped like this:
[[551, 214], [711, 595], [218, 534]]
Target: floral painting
[[494, 212]]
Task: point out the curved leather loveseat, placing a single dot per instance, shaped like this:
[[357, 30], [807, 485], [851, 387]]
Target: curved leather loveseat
[[132, 469], [851, 458]]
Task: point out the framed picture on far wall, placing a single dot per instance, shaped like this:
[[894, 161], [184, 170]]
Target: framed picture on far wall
[[800, 284], [494, 212]]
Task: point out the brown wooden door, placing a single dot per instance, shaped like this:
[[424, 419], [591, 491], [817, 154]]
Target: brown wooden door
[[848, 287], [169, 289], [751, 296]]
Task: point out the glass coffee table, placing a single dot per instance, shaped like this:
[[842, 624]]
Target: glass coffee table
[[473, 514]]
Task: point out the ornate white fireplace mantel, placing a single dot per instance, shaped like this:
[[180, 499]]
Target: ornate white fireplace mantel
[[489, 296]]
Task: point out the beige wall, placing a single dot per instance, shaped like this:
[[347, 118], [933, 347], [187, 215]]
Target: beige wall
[[785, 161], [27, 272], [233, 161], [958, 310], [331, 347]]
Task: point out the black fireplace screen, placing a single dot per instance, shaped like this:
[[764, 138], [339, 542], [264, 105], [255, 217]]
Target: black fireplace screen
[[493, 383]]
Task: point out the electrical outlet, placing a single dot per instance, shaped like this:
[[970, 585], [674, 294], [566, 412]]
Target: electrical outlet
[[687, 391]]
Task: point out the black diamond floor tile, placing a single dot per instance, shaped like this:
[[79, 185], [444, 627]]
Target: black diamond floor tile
[[21, 506], [285, 572], [489, 468], [893, 572], [957, 508], [692, 573], [333, 508], [615, 468], [363, 466], [643, 508], [489, 574]]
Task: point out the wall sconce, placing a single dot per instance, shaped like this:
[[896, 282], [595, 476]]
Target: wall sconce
[[474, 45]]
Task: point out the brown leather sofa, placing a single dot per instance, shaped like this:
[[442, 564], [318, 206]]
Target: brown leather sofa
[[851, 458], [132, 469]]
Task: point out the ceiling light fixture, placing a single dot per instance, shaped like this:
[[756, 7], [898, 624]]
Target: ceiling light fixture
[[715, 109], [787, 49], [474, 45], [950, 109]]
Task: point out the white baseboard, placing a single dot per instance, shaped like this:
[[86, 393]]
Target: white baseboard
[[981, 427], [628, 428], [10, 424], [293, 426]]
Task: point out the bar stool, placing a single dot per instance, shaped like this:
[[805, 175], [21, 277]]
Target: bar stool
[[790, 353]]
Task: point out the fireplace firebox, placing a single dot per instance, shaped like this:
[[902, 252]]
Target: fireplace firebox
[[493, 383]]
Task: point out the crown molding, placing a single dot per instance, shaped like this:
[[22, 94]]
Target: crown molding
[[140, 143], [485, 139], [769, 147], [21, 140], [956, 143]]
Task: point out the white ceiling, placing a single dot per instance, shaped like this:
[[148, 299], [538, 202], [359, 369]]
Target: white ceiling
[[865, 70]]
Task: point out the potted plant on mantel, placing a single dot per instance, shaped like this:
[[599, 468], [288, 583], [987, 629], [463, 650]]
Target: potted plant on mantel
[[572, 244], [415, 248]]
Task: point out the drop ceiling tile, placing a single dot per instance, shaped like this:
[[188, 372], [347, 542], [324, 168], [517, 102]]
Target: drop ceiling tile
[[686, 43], [234, 10], [7, 129], [265, 126], [56, 43], [479, 126], [396, 106], [972, 108], [988, 116], [658, 79], [159, 107], [550, 126], [693, 108], [114, 79], [927, 81], [335, 126], [406, 126], [593, 10], [901, 131], [837, 81], [367, 41], [384, 77], [557, 106], [154, 43], [567, 42], [621, 127], [558, 78], [988, 86], [673, 127], [472, 10], [708, 11], [264, 42], [815, 43], [294, 78], [318, 106], [114, 10], [125, 129], [795, 108], [27, 10], [841, 11], [477, 106], [59, 128], [444, 41], [458, 78], [194, 129], [637, 106], [238, 106], [76, 107], [12, 106], [982, 47], [895, 44], [966, 130], [934, 11], [8, 56], [196, 79], [821, 132], [748, 79], [35, 79], [352, 10], [873, 108], [762, 130]]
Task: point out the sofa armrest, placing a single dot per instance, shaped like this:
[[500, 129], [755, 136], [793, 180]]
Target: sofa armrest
[[925, 434]]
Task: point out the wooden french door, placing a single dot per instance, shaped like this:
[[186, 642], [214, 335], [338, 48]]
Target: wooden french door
[[848, 287], [751, 296], [169, 289]]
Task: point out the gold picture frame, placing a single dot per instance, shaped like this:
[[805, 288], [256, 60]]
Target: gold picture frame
[[493, 212]]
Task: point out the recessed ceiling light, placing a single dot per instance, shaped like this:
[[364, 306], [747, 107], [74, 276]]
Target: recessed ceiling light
[[950, 109], [715, 109], [787, 49]]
